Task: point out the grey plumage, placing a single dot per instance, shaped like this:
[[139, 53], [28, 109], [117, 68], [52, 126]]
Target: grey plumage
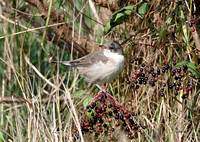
[[100, 66]]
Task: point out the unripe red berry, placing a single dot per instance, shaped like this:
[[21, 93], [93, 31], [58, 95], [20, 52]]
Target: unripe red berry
[[189, 88], [192, 29]]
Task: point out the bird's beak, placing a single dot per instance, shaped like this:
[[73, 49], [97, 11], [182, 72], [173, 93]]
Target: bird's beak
[[103, 47]]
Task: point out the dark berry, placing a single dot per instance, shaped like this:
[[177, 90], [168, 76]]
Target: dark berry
[[141, 69], [136, 81], [87, 107], [190, 84], [158, 70], [136, 59], [169, 2], [132, 85], [110, 113], [105, 125], [89, 110], [174, 63], [179, 2], [190, 25], [176, 77], [144, 82], [110, 105], [152, 83], [115, 110], [132, 61], [133, 44], [143, 65], [179, 76], [164, 84], [137, 86], [146, 78], [185, 67], [174, 71], [153, 74], [152, 69], [183, 96], [170, 67], [173, 84], [176, 93], [127, 129], [173, 14], [133, 114], [179, 84], [170, 87], [142, 75], [124, 124], [162, 94], [176, 88], [178, 70], [128, 82], [163, 70], [116, 116], [121, 117], [167, 67]]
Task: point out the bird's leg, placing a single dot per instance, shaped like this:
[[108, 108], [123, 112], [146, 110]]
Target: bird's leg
[[104, 86], [103, 90]]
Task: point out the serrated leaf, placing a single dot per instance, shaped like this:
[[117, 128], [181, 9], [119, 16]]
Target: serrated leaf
[[143, 9], [87, 101], [78, 94], [191, 67]]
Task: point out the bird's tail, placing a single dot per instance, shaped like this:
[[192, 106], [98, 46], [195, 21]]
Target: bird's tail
[[66, 63]]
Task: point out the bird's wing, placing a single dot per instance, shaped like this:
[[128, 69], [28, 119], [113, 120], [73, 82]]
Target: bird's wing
[[94, 57]]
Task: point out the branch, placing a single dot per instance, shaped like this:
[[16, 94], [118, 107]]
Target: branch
[[64, 31]]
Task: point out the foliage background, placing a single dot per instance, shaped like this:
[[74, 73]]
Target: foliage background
[[41, 101]]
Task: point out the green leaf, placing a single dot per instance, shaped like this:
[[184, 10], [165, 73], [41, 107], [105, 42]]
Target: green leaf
[[118, 17], [78, 94], [192, 68], [87, 101], [143, 9]]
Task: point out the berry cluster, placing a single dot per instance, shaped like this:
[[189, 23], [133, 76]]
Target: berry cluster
[[104, 116], [178, 82]]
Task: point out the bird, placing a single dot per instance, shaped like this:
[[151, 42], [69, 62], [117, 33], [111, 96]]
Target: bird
[[100, 67]]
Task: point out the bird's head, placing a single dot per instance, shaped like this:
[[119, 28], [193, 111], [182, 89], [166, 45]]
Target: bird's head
[[113, 46]]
